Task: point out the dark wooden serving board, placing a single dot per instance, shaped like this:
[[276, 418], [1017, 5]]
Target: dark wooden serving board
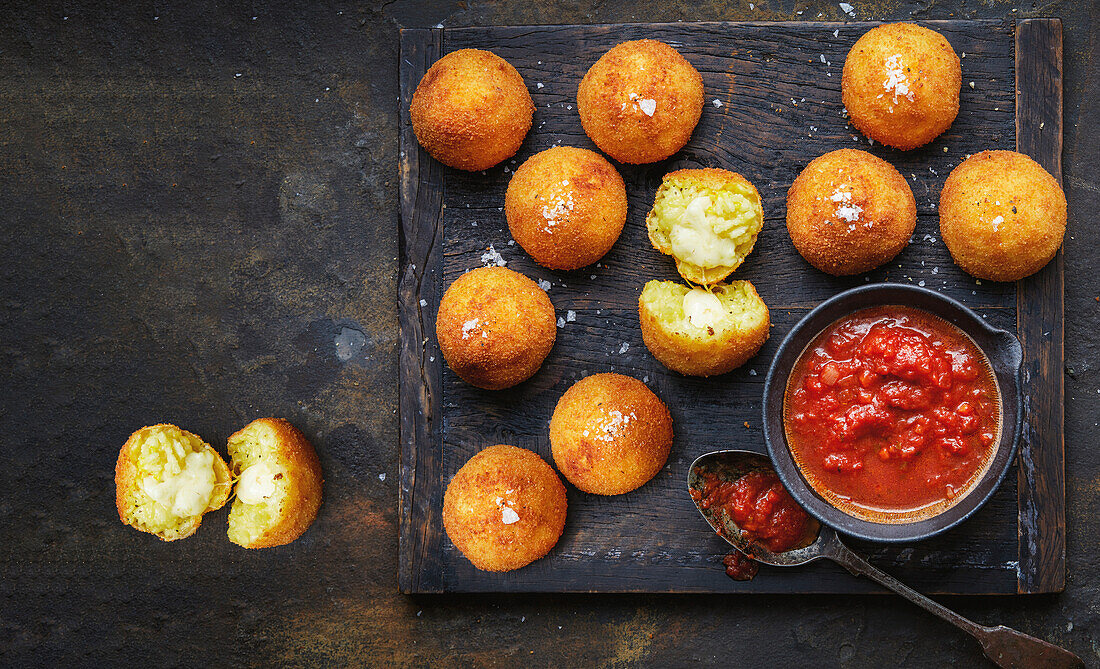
[[780, 108]]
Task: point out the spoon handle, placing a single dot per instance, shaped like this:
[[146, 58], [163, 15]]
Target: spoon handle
[[1005, 646]]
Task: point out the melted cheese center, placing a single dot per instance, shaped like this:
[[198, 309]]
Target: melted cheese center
[[257, 483], [187, 493], [702, 308], [696, 238]]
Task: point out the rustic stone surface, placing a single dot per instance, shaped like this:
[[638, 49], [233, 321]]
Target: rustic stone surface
[[184, 244]]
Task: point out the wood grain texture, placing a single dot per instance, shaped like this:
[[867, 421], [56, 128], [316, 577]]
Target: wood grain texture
[[420, 496], [1040, 309], [779, 108]]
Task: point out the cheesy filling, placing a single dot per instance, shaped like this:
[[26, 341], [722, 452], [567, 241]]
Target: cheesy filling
[[707, 227], [702, 312], [702, 308], [257, 483], [187, 492]]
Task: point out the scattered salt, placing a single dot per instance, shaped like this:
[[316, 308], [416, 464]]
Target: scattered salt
[[539, 85], [717, 102], [847, 9], [623, 348], [423, 303], [544, 284], [493, 257], [570, 316], [896, 81], [382, 476], [647, 106], [561, 322]]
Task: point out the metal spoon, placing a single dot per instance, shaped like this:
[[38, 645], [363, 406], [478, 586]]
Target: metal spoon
[[1005, 646]]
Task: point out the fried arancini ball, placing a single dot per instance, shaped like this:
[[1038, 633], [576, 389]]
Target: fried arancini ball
[[495, 327], [166, 479], [610, 434], [504, 509], [707, 220], [700, 331], [566, 207], [279, 482], [471, 110], [849, 212], [901, 85], [640, 101], [1002, 215]]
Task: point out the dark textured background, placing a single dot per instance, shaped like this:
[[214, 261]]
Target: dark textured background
[[197, 203]]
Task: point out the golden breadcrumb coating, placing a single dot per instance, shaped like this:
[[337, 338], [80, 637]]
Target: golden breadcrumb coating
[[1002, 215], [701, 331], [495, 327], [610, 434], [278, 490], [849, 212], [504, 509], [566, 207], [640, 101], [707, 220], [166, 479], [471, 110], [901, 85]]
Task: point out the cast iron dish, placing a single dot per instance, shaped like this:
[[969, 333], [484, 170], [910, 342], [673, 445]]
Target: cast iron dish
[[1002, 350]]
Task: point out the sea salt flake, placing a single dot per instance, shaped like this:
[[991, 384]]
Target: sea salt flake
[[997, 223], [493, 257], [847, 9], [561, 322], [896, 80], [382, 476], [717, 102], [624, 348], [570, 316], [469, 326], [545, 285], [539, 85], [647, 106], [423, 303]]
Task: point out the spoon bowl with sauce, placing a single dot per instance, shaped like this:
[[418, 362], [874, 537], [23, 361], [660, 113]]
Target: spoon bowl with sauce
[[735, 493]]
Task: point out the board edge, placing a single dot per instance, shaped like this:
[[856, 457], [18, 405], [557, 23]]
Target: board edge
[[1040, 323]]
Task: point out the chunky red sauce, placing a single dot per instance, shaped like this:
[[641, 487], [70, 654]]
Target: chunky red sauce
[[739, 566], [891, 410], [760, 506]]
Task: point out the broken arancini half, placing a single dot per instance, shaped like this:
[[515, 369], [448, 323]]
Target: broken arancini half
[[166, 479], [279, 481], [707, 220], [703, 331]]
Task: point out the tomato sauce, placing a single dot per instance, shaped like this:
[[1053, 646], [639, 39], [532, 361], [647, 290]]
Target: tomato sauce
[[760, 506], [892, 411]]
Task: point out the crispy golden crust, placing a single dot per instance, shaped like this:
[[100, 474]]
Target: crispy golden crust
[[1002, 215], [711, 178], [901, 85], [127, 485], [495, 327], [566, 207], [499, 484], [297, 460], [471, 110], [695, 352], [849, 212], [610, 434], [623, 84]]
